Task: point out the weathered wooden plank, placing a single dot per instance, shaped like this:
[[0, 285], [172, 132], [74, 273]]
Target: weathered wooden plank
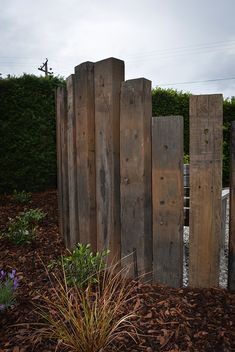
[[62, 158], [135, 168], [72, 170], [85, 135], [60, 105], [231, 259], [206, 121], [109, 75], [168, 199], [186, 194]]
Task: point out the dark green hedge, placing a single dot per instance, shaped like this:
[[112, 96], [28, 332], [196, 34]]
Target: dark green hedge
[[172, 102], [229, 116], [27, 133]]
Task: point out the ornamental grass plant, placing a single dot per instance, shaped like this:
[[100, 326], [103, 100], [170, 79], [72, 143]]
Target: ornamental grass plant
[[87, 320]]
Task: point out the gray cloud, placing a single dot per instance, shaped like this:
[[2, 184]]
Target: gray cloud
[[161, 40]]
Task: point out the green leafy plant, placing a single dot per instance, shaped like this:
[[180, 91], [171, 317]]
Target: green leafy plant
[[33, 216], [22, 197], [8, 285], [23, 228], [87, 320], [186, 159], [82, 265]]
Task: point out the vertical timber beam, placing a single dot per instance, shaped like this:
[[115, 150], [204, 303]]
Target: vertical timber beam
[[135, 167], [168, 199], [72, 171], [231, 258], [85, 135], [62, 159], [206, 122], [109, 75], [60, 106]]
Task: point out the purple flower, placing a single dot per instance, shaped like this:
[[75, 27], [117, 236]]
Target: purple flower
[[2, 307], [2, 274], [15, 283], [9, 283], [12, 274]]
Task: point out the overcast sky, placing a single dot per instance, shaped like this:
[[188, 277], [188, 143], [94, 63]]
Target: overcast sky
[[167, 41]]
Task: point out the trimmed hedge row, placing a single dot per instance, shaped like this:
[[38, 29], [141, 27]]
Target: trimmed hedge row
[[28, 131]]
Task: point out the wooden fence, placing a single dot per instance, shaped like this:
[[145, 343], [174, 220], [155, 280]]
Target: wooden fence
[[120, 176]]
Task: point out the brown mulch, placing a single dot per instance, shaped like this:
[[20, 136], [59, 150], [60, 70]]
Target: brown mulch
[[167, 319]]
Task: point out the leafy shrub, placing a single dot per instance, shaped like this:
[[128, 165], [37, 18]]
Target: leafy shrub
[[8, 285], [22, 197], [18, 231], [82, 266], [28, 133], [87, 320], [23, 228], [33, 216]]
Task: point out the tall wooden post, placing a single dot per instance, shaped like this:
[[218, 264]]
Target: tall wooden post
[[62, 160], [109, 75], [85, 137], [72, 170], [206, 122], [231, 259], [135, 159], [168, 199]]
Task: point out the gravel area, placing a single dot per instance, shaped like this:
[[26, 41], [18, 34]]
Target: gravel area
[[223, 278]]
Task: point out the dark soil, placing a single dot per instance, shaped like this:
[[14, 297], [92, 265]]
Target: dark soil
[[167, 319]]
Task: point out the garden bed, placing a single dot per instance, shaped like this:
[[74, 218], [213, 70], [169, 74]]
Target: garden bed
[[167, 319]]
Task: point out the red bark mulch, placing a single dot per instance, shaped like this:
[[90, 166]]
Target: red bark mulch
[[167, 319]]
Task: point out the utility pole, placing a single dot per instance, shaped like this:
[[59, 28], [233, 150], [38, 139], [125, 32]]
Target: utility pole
[[44, 68]]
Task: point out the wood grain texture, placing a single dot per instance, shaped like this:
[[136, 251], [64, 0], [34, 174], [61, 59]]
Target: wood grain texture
[[85, 135], [135, 167], [72, 169], [62, 159], [186, 194], [206, 119], [109, 75], [231, 263], [168, 199], [59, 105]]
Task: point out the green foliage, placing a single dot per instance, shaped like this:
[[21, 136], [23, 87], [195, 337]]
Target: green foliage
[[8, 285], [23, 228], [229, 116], [186, 159], [82, 266], [7, 297], [21, 197], [27, 133], [33, 216], [18, 231]]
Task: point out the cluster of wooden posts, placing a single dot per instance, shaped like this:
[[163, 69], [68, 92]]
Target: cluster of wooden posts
[[120, 176]]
